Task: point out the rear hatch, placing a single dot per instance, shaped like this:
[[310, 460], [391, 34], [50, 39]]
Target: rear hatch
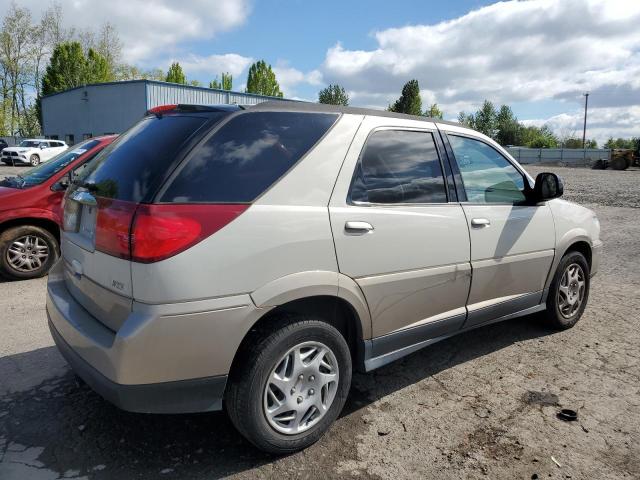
[[112, 195]]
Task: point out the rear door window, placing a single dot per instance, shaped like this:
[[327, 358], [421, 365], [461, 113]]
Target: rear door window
[[246, 156], [399, 166], [133, 167]]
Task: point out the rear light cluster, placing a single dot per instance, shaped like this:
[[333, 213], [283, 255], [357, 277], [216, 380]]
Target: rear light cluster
[[150, 233]]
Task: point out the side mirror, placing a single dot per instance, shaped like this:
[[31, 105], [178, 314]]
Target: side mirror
[[548, 185], [62, 184]]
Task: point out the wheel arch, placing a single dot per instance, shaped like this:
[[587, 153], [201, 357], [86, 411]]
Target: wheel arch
[[48, 224]]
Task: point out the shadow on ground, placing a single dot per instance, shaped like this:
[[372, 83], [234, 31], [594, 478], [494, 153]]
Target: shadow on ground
[[79, 433]]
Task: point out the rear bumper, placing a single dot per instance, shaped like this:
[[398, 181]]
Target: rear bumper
[[172, 358], [195, 395]]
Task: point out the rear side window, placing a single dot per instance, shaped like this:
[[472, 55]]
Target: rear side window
[[399, 166], [133, 166], [246, 156]]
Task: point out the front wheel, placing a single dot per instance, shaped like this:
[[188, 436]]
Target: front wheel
[[569, 291], [290, 386], [27, 252], [34, 160]]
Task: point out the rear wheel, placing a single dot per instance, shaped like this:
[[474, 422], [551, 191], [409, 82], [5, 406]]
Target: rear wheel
[[27, 252], [34, 160], [569, 291], [291, 385]]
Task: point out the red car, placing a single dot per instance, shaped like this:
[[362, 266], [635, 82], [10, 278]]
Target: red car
[[30, 211]]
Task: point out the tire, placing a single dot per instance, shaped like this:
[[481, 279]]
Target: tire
[[247, 399], [560, 313], [33, 240], [34, 160]]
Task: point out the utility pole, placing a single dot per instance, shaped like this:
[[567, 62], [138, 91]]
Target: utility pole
[[584, 128]]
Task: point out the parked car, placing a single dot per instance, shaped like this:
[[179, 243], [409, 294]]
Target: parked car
[[33, 151], [31, 212], [253, 256], [3, 144]]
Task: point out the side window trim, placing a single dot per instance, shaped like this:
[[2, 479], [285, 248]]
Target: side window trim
[[454, 180], [397, 128], [446, 134]]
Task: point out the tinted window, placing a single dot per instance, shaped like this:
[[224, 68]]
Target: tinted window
[[44, 171], [133, 166], [487, 176], [246, 156], [399, 167]]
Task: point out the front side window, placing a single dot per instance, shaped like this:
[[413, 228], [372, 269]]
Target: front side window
[[399, 166], [246, 156], [29, 143], [487, 176]]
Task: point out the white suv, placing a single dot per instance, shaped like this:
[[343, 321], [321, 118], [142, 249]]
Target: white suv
[[250, 258], [33, 151]]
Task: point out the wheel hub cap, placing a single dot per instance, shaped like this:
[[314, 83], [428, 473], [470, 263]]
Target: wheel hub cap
[[301, 388], [571, 290], [27, 253]]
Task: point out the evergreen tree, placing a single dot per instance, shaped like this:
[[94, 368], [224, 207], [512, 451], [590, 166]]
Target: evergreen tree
[[507, 126], [97, 68], [486, 119], [262, 80], [175, 74], [409, 101], [333, 95]]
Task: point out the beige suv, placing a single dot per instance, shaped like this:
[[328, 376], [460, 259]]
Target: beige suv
[[249, 259]]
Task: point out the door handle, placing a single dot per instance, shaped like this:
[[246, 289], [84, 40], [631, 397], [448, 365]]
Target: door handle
[[358, 228], [480, 222]]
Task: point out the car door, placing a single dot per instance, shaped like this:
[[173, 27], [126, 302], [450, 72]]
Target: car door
[[397, 235], [512, 241]]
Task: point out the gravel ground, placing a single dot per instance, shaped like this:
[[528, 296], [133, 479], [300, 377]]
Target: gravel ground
[[482, 404]]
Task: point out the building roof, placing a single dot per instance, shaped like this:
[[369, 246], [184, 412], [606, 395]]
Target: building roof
[[321, 107], [174, 85]]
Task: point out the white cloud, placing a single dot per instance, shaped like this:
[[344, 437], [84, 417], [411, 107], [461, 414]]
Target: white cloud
[[289, 78], [602, 123], [214, 65], [150, 28], [506, 52]]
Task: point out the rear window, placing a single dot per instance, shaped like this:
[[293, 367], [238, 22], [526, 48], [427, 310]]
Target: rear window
[[133, 166], [246, 156]]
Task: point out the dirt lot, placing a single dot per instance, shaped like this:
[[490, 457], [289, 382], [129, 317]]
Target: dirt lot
[[482, 404]]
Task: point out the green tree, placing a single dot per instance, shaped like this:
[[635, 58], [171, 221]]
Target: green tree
[[466, 119], [226, 83], [409, 101], [486, 119], [262, 80], [195, 83], [67, 68], [97, 68], [538, 137], [434, 112], [508, 127], [621, 143], [333, 95], [175, 74]]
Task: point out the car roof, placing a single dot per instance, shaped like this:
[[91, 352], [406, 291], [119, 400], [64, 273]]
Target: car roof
[[275, 105]]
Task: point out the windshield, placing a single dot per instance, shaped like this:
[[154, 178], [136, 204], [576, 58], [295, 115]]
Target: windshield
[[29, 143], [45, 171]]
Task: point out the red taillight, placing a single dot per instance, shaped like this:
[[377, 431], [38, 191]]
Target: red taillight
[[113, 225], [162, 231], [160, 109]]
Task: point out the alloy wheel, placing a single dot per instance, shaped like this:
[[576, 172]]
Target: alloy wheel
[[571, 290], [27, 253]]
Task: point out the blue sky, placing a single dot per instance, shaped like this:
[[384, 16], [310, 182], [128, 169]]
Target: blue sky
[[538, 56]]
